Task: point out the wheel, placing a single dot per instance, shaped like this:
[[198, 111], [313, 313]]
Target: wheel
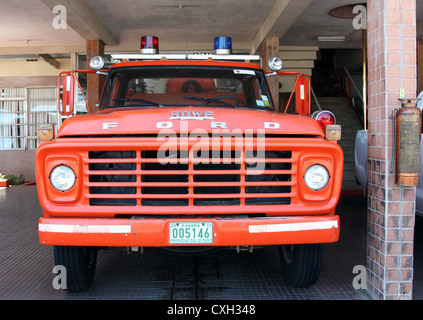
[[80, 264], [301, 263]]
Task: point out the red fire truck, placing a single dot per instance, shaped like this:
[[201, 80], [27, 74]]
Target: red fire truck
[[187, 151]]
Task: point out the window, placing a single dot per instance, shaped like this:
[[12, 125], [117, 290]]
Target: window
[[21, 111], [186, 86]]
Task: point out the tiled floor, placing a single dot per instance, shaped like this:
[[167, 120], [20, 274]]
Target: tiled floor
[[26, 266]]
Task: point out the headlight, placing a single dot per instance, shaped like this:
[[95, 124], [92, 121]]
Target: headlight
[[316, 177], [62, 178]]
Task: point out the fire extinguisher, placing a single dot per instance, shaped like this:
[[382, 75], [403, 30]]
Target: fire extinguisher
[[408, 129]]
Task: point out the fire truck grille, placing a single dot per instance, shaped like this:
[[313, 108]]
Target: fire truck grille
[[178, 178]]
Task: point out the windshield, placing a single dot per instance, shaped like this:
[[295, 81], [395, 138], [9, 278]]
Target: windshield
[[160, 86]]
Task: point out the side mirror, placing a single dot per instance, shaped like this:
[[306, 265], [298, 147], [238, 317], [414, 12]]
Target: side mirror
[[275, 64], [302, 96], [302, 88], [67, 107]]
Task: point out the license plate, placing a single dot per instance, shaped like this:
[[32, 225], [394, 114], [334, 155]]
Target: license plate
[[190, 232]]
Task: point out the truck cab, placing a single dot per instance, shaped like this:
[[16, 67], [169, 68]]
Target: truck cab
[[187, 151]]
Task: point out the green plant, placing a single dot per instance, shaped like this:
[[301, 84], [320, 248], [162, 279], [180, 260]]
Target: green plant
[[15, 181], [2, 176]]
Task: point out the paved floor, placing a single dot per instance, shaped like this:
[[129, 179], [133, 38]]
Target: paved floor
[[26, 266]]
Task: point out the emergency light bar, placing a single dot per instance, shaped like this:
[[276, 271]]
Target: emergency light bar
[[130, 56], [150, 51]]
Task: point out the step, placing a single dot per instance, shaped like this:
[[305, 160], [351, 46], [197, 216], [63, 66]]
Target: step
[[331, 100], [349, 132]]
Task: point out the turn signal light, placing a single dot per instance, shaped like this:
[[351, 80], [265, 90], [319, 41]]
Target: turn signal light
[[333, 132], [327, 122], [45, 132]]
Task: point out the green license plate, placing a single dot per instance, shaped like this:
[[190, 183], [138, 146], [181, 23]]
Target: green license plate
[[190, 232]]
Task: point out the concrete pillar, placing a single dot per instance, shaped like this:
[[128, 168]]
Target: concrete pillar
[[270, 48], [95, 82], [391, 208]]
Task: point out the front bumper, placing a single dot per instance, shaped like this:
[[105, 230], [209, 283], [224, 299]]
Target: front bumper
[[155, 232]]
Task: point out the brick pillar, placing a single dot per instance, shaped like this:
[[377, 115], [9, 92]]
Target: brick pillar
[[390, 219], [95, 82], [270, 48]]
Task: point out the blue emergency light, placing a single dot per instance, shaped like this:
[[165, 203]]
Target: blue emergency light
[[223, 45]]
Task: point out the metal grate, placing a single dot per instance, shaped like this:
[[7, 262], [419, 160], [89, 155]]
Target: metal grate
[[183, 178]]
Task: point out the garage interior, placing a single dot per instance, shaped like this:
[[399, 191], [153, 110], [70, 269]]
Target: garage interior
[[325, 39]]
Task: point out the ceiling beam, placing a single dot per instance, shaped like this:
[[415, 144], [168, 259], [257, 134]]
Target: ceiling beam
[[281, 17], [50, 60], [82, 20]]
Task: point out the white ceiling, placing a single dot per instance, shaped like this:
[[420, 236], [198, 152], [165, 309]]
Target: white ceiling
[[27, 25]]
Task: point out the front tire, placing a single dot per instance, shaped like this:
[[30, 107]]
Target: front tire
[[80, 264], [301, 263]]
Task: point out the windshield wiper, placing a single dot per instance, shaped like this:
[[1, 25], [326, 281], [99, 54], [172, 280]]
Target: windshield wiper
[[137, 100], [217, 99]]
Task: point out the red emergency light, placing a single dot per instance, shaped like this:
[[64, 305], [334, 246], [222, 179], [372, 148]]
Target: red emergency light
[[324, 118], [149, 45]]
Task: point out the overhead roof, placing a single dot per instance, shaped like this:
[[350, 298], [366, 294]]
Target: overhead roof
[[27, 25]]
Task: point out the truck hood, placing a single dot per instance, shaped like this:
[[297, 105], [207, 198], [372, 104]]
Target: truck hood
[[136, 121]]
